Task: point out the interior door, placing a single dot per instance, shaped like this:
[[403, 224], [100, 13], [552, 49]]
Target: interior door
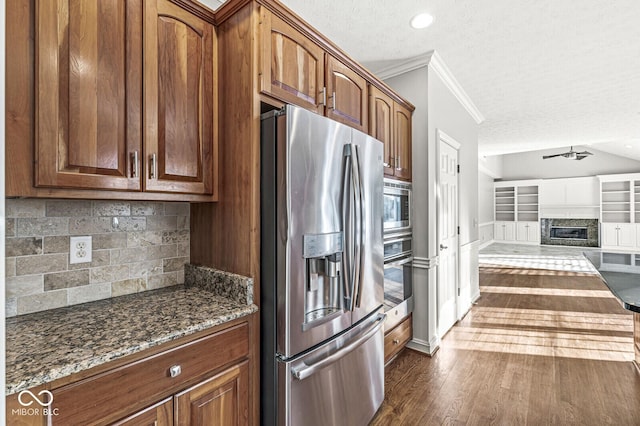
[[447, 200]]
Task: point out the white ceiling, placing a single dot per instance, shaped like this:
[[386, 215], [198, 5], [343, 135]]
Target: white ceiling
[[544, 73]]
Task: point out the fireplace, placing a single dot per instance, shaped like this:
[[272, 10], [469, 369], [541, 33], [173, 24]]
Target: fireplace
[[569, 232]]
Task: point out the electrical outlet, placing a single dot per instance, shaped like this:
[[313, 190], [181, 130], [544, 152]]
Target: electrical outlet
[[80, 249]]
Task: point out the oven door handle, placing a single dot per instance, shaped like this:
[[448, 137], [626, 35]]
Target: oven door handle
[[304, 371], [400, 262]]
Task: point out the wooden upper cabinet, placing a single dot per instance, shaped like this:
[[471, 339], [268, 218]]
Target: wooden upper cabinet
[[88, 93], [381, 124], [390, 123], [221, 400], [346, 95], [179, 100], [291, 65], [402, 131]]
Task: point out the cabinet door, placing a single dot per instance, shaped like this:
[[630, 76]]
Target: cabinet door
[[180, 98], [533, 232], [609, 234], [498, 231], [522, 231], [221, 400], [160, 414], [291, 65], [89, 94], [346, 95], [381, 124], [402, 142], [509, 231], [627, 235]]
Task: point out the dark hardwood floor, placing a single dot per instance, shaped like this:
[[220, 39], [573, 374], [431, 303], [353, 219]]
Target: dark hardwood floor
[[540, 347]]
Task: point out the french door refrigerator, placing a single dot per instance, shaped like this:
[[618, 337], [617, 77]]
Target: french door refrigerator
[[322, 271]]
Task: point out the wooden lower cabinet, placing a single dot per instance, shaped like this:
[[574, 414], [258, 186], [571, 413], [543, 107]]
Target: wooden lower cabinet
[[202, 381], [397, 338], [220, 400], [160, 414]]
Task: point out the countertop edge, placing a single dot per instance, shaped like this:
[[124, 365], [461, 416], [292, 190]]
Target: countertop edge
[[49, 376]]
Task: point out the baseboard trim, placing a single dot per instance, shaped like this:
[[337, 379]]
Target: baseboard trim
[[423, 346], [475, 297]]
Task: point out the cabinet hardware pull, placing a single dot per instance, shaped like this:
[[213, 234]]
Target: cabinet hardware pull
[[385, 164], [175, 370], [396, 341], [153, 172], [398, 163], [324, 96], [134, 163], [333, 100]]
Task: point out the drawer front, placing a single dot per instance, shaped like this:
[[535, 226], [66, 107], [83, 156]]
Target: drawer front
[[397, 338], [116, 393]]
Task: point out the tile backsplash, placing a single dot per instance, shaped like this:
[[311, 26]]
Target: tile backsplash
[[145, 250]]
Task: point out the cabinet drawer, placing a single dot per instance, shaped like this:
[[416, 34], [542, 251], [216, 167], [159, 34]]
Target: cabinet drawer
[[397, 338], [113, 394]]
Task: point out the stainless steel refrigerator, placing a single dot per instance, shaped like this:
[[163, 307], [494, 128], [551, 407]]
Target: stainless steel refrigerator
[[322, 349]]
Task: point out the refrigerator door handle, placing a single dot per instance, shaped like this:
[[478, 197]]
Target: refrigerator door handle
[[357, 292], [304, 371], [347, 276]]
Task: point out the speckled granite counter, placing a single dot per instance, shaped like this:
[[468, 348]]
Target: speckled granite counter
[[621, 273], [49, 345]]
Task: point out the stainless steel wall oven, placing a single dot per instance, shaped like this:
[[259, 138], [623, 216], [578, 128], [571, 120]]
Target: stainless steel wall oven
[[398, 252]]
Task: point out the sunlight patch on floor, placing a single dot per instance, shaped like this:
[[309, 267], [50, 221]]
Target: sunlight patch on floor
[[547, 291], [541, 343], [573, 263], [544, 332]]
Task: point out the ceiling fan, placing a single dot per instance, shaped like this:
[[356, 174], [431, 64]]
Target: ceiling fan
[[571, 155]]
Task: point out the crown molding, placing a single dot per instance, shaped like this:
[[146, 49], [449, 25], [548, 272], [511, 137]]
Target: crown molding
[[434, 62]]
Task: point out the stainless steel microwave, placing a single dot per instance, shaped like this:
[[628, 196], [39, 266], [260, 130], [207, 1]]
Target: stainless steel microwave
[[397, 206]]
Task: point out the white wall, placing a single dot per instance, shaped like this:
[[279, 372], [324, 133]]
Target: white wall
[[530, 165], [485, 208], [438, 109]]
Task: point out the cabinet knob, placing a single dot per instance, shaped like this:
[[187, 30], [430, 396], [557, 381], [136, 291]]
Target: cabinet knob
[[396, 341], [175, 370]]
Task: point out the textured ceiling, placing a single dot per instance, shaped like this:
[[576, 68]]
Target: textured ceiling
[[544, 73]]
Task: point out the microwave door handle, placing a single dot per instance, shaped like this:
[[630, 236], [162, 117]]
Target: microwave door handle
[[305, 370]]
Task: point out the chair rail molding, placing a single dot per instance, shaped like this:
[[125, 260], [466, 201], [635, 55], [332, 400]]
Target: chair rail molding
[[425, 262]]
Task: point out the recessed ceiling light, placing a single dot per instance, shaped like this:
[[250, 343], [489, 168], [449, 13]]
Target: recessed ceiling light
[[421, 20], [628, 146]]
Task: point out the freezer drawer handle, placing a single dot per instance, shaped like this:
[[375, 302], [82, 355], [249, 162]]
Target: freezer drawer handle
[[305, 371]]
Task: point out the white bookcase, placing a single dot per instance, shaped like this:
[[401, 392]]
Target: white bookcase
[[517, 212], [620, 211]]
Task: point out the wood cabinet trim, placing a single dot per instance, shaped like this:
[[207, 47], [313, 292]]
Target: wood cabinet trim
[[197, 9], [299, 24], [403, 332]]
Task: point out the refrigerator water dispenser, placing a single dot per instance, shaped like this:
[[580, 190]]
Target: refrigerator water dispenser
[[323, 295]]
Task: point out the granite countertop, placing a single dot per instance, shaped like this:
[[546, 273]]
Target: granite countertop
[[621, 273], [49, 345]]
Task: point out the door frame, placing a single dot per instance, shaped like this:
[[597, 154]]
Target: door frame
[[442, 137]]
